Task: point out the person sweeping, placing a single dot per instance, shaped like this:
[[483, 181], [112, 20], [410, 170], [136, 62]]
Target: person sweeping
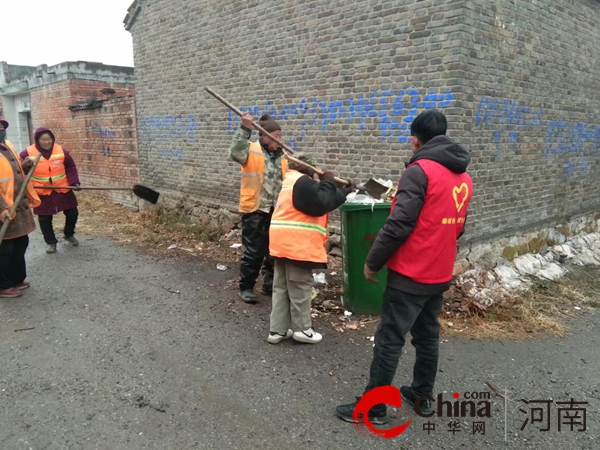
[[14, 244], [56, 168]]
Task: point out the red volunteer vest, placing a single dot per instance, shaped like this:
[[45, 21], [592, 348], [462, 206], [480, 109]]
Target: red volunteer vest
[[428, 254]]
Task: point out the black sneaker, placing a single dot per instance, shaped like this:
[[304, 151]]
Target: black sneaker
[[425, 406], [248, 296], [377, 414]]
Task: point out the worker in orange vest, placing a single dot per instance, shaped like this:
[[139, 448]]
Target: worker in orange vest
[[299, 232], [55, 168], [262, 170], [16, 240]]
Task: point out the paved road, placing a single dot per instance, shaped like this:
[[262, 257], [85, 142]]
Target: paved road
[[115, 361]]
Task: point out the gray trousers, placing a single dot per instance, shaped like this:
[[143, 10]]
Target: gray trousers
[[292, 295]]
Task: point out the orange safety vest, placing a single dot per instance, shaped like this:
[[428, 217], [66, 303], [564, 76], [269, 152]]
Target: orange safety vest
[[7, 181], [293, 234], [50, 172], [253, 174]]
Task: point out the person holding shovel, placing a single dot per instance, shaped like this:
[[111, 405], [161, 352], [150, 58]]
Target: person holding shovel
[[16, 240], [262, 172], [297, 238], [56, 168], [418, 243]]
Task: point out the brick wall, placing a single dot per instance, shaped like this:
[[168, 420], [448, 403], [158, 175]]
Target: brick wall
[[103, 141], [345, 78]]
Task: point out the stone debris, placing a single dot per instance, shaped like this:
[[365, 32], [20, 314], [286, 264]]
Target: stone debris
[[476, 288]]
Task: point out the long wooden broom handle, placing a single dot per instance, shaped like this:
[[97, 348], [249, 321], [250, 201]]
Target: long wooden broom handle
[[287, 150], [20, 196]]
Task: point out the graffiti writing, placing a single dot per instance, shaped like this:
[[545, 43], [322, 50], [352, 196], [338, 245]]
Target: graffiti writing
[[169, 128]]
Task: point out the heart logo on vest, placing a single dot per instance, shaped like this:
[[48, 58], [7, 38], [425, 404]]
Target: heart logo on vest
[[462, 190]]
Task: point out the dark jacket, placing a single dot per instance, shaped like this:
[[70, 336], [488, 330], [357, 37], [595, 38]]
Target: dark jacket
[[409, 202], [316, 198]]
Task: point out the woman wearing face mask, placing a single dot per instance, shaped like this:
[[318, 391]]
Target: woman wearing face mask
[[55, 168], [15, 241]]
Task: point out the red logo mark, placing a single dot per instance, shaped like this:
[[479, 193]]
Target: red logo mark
[[388, 395]]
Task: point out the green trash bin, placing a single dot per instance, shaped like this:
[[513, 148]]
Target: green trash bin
[[360, 225]]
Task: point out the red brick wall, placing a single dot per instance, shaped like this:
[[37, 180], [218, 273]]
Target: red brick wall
[[103, 141]]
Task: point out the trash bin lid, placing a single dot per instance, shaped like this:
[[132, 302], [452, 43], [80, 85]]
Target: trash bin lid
[[364, 206]]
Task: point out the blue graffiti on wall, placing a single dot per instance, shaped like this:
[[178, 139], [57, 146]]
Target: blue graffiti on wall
[[171, 154], [510, 117], [103, 132], [394, 111], [169, 128]]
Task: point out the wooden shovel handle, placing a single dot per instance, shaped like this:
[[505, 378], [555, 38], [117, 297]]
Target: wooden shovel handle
[[287, 150], [19, 196]]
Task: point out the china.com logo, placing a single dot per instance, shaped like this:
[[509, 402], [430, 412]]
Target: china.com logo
[[475, 404]]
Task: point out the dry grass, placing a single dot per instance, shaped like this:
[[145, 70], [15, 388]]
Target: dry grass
[[545, 309]]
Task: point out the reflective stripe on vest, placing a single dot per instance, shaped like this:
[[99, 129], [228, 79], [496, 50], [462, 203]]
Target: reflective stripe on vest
[[253, 173], [54, 167], [293, 234]]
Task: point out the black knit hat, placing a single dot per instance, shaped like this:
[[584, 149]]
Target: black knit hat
[[267, 122]]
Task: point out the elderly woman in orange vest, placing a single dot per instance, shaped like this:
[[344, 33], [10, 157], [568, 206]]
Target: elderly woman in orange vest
[[14, 244], [56, 168], [297, 237]]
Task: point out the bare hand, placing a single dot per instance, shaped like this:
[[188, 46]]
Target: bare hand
[[370, 275], [4, 215], [247, 120], [27, 164]]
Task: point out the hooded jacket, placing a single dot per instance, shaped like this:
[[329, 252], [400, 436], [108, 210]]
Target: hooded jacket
[[418, 241]]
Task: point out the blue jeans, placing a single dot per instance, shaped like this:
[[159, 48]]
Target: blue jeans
[[402, 313]]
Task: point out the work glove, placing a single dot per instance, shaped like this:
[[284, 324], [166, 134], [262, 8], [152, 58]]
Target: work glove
[[327, 175], [77, 187], [350, 187]]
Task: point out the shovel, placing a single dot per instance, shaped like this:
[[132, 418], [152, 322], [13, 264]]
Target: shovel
[[20, 196], [369, 187], [143, 192]]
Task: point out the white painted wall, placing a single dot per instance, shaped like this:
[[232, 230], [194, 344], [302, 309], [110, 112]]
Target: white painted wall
[[15, 109]]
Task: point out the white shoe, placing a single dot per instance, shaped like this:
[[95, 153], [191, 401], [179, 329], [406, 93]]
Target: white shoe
[[309, 336], [277, 338]]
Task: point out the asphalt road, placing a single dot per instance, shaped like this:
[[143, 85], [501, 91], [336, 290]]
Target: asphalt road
[[116, 361]]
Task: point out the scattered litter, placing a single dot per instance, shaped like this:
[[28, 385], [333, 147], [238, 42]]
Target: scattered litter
[[330, 374], [577, 308], [235, 245], [347, 313], [24, 329], [352, 325], [319, 278], [172, 246], [450, 324], [315, 292], [221, 267], [333, 274], [372, 338], [189, 250]]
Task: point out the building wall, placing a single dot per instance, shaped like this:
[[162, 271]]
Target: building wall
[[103, 141], [345, 78]]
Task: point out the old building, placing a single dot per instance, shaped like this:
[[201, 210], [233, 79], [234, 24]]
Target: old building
[[90, 108], [518, 82]]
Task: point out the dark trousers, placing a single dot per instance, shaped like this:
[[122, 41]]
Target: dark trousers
[[12, 262], [48, 231], [255, 241], [402, 313]]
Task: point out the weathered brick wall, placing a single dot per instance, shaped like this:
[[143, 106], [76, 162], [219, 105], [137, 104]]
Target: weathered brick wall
[[345, 78], [531, 97], [103, 141]]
